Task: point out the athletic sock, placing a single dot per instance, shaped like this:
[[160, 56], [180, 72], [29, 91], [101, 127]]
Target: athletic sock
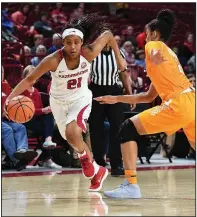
[[130, 175], [81, 154]]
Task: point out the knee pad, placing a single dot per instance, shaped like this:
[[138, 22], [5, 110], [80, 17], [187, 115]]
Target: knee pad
[[128, 132]]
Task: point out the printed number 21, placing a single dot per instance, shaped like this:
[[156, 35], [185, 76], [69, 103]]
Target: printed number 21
[[74, 83]]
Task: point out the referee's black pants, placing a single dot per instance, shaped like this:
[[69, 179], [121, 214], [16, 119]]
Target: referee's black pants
[[114, 114]]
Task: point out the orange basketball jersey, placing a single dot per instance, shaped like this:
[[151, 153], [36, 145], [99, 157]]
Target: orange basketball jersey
[[168, 77]]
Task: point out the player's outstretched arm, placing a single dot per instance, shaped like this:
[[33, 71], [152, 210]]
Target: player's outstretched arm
[[47, 64], [145, 97], [93, 50]]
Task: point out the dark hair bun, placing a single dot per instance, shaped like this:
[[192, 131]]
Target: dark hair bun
[[167, 16]]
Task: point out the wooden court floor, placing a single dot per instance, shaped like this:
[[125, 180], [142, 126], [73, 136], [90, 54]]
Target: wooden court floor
[[165, 193]]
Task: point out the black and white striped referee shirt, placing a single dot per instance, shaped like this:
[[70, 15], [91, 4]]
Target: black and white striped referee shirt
[[104, 69]]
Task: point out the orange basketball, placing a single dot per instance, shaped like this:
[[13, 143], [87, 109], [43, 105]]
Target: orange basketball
[[20, 109]]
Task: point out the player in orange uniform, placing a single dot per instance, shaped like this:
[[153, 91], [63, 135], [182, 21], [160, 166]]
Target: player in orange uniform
[[176, 111]]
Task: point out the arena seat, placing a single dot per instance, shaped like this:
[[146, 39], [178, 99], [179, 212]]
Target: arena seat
[[13, 73]]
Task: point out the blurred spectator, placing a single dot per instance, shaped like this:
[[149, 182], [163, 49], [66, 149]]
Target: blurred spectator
[[141, 39], [137, 84], [15, 143], [80, 12], [43, 118], [128, 51], [136, 81], [191, 65], [27, 50], [112, 8], [58, 15], [140, 59], [128, 35], [192, 79], [27, 54], [77, 13], [33, 15], [40, 54], [43, 26], [38, 40], [6, 22], [57, 43], [187, 50], [19, 17], [14, 135], [82, 6], [189, 44], [118, 40]]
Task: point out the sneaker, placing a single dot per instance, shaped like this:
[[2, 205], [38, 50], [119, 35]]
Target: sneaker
[[98, 207], [97, 181], [49, 145], [87, 167], [24, 154], [21, 164], [125, 191], [50, 164]]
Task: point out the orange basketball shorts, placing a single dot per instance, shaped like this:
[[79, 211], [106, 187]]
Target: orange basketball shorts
[[171, 116]]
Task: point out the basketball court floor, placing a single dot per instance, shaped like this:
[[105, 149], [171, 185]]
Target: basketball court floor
[[167, 190]]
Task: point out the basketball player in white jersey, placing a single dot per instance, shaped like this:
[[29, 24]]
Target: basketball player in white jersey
[[70, 98]]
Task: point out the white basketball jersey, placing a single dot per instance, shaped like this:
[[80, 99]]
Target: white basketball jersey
[[70, 84]]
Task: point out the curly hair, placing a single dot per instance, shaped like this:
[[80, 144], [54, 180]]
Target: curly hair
[[92, 25], [164, 24]]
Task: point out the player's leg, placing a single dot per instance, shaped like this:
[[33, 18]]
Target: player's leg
[[81, 111], [154, 120], [130, 148], [75, 139], [130, 130], [90, 168], [189, 131]]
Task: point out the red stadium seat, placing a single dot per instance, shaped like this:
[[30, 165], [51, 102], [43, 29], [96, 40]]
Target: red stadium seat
[[13, 73]]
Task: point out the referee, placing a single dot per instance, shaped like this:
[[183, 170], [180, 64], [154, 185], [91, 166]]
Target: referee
[[104, 81]]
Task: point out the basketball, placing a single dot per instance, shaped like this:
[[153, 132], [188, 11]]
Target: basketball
[[20, 109]]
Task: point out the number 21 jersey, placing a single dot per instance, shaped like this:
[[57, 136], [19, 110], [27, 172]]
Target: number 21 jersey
[[70, 84]]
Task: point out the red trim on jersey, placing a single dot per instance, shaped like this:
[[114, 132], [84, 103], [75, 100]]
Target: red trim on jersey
[[80, 119]]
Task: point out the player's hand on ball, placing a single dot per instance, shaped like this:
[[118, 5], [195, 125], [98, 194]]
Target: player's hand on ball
[[106, 99]]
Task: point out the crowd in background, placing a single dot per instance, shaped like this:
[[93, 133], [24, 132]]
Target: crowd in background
[[32, 31]]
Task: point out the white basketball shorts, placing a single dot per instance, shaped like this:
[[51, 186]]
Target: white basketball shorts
[[65, 112]]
